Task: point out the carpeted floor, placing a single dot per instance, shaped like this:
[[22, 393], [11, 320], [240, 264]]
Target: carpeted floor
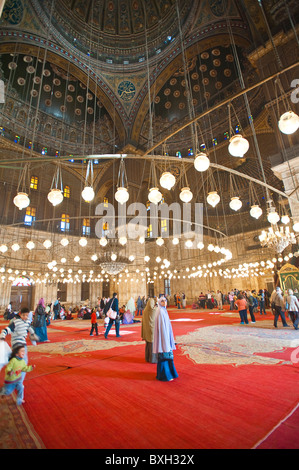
[[236, 388]]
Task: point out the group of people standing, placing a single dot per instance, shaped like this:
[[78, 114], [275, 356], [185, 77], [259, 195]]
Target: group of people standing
[[281, 305]]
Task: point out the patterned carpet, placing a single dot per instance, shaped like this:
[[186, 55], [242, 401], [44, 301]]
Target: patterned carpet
[[16, 430], [215, 357], [238, 344]]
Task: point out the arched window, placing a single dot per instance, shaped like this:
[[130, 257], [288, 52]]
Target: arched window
[[33, 182], [65, 223], [86, 227], [67, 191], [30, 215]]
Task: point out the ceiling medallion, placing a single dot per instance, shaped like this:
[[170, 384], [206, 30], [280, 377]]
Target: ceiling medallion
[[126, 90]]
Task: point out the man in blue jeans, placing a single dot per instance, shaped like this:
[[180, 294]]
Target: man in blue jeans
[[113, 304], [278, 303]]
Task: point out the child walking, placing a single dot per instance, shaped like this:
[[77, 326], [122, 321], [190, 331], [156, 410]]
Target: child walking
[[13, 374], [94, 325]]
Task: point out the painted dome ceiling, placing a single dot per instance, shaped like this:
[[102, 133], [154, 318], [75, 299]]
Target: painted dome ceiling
[[118, 31]]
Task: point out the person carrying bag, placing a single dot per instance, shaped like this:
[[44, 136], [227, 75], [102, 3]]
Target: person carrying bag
[[112, 311]]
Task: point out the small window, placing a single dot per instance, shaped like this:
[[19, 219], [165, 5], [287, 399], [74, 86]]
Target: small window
[[33, 182], [30, 215], [164, 225], [167, 290], [105, 202], [84, 291], [105, 229], [86, 227], [65, 223], [66, 191], [62, 291], [149, 231]]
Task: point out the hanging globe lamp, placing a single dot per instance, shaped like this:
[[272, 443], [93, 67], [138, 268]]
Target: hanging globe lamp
[[238, 145]]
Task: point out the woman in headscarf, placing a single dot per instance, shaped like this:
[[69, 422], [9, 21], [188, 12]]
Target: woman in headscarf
[[131, 306], [147, 329], [39, 321], [164, 344]]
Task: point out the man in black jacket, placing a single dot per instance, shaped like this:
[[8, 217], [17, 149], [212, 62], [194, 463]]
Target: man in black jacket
[[113, 304]]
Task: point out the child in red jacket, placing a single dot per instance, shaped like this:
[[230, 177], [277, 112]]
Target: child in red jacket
[[94, 325]]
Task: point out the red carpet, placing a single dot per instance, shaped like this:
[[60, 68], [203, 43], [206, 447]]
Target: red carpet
[[110, 399]]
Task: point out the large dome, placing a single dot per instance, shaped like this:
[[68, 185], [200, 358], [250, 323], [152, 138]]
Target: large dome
[[118, 32]]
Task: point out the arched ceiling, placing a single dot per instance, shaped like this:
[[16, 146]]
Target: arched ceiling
[[118, 31]]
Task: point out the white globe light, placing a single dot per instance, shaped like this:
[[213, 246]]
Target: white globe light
[[88, 193], [285, 219], [175, 241], [188, 244], [122, 240], [141, 240], [235, 203], [94, 257], [186, 195], [122, 195], [238, 146], [296, 227], [201, 162], [211, 247], [154, 195], [288, 123], [113, 257], [103, 241], [21, 200], [3, 248], [47, 244], [160, 241], [64, 241], [77, 259], [83, 241], [256, 211], [273, 217], [213, 198], [167, 180], [30, 245], [200, 245], [55, 196], [15, 247]]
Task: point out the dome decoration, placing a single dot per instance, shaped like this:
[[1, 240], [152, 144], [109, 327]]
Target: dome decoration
[[73, 20]]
